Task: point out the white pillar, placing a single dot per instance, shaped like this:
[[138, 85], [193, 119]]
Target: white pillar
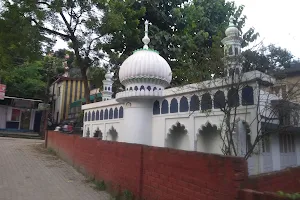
[[275, 150], [297, 148], [138, 121]]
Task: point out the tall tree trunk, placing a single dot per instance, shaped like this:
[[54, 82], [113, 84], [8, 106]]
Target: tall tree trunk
[[86, 84]]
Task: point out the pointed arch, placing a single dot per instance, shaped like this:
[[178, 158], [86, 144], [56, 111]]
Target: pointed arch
[[106, 114], [136, 88], [174, 106], [149, 88], [164, 107], [219, 99], [85, 116], [195, 103], [111, 113], [89, 116], [116, 113], [156, 108], [121, 114], [101, 115], [206, 102], [233, 97], [130, 88], [142, 88], [97, 115], [93, 116], [247, 96], [154, 88], [178, 128], [184, 105]]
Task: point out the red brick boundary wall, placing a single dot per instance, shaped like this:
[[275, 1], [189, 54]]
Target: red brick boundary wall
[[265, 186], [287, 180], [153, 173]]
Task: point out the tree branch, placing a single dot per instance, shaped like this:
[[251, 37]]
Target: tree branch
[[50, 30]]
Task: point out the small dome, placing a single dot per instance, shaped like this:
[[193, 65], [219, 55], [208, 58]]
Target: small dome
[[232, 30], [108, 75], [145, 65]]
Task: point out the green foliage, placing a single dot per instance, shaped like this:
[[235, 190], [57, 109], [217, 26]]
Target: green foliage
[[96, 75], [20, 42], [289, 195], [29, 80], [100, 185], [267, 59], [127, 195]]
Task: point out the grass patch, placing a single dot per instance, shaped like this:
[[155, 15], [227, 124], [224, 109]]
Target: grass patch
[[100, 185], [52, 152]]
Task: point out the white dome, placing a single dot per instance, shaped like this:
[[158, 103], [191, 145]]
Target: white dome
[[108, 75], [145, 66], [232, 30]]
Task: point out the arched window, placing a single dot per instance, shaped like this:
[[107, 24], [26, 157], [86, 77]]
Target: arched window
[[154, 88], [237, 71], [156, 108], [116, 113], [106, 114], [174, 106], [219, 99], [195, 103], [231, 72], [142, 88], [97, 115], [230, 51], [184, 105], [149, 88], [206, 102], [108, 89], [136, 88], [130, 88], [85, 116], [101, 115], [247, 96], [111, 113], [165, 107], [236, 50], [105, 88], [233, 98], [93, 116], [121, 112], [89, 116]]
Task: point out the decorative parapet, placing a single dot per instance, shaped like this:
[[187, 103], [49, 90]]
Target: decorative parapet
[[139, 94]]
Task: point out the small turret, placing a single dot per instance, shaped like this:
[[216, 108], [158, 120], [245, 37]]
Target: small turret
[[107, 86], [232, 49]]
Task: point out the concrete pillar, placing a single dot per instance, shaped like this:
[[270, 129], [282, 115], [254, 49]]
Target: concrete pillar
[[275, 150], [138, 121]]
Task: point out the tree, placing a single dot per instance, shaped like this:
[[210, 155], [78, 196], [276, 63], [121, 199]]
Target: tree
[[29, 80], [268, 59], [77, 22], [20, 42], [186, 33]]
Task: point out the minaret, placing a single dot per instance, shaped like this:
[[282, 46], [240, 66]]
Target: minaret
[[107, 86], [232, 49], [144, 74]]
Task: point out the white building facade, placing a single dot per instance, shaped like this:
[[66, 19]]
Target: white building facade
[[191, 117]]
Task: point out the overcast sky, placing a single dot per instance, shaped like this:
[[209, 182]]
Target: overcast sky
[[277, 22]]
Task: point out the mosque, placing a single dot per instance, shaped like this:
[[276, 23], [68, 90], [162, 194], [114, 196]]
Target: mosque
[[191, 117]]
